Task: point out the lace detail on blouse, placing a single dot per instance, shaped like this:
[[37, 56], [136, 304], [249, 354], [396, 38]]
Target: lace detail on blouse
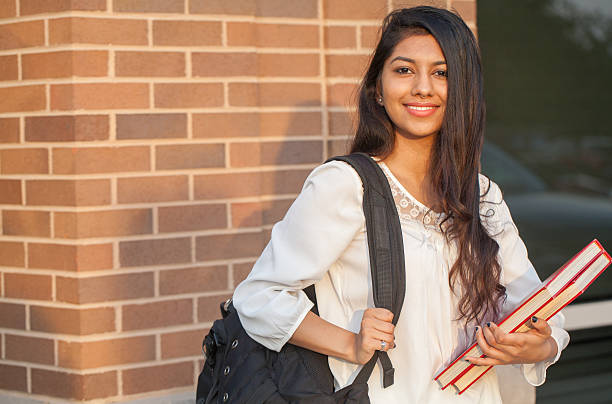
[[409, 209]]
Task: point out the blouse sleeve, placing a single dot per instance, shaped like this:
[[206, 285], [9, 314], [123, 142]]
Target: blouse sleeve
[[317, 228], [519, 276]]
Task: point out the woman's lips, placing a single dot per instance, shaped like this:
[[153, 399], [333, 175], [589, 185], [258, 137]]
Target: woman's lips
[[421, 110]]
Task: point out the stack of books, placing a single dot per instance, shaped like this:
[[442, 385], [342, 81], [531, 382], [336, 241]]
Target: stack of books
[[556, 292]]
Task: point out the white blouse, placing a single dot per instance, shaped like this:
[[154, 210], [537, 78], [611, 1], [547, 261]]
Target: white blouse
[[322, 240]]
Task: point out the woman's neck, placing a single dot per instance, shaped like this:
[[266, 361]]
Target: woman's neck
[[409, 162]]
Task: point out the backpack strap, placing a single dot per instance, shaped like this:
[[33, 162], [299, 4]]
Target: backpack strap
[[386, 250]]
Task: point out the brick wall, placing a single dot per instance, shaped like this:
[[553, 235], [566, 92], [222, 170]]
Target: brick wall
[[146, 148]]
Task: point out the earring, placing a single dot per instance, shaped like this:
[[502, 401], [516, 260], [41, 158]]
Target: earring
[[380, 100]]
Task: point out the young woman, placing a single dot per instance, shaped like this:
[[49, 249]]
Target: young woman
[[421, 116]]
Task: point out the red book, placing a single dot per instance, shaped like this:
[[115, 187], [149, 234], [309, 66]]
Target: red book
[[462, 374]]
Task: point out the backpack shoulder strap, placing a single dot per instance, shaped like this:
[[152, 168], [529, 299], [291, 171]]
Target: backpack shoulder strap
[[385, 247]]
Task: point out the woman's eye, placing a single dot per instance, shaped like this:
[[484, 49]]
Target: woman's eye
[[441, 73], [403, 70]]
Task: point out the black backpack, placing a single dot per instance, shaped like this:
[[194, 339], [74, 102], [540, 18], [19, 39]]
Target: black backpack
[[237, 369]]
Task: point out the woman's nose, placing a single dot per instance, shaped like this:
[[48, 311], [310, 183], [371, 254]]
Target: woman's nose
[[422, 85]]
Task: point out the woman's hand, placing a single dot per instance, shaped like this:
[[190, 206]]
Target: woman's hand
[[376, 327], [501, 348]]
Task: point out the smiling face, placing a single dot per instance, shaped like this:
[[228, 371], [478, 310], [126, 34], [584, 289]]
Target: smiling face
[[413, 86]]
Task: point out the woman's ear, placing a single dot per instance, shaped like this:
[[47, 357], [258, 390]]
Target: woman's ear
[[379, 96]]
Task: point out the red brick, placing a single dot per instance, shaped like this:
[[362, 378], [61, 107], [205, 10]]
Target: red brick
[[274, 94], [29, 349], [147, 64], [149, 6], [27, 7], [250, 214], [261, 8], [413, 3], [213, 186], [341, 123], [209, 64], [12, 316], [21, 286], [94, 354], [73, 386], [241, 271], [188, 95], [104, 288], [66, 128], [340, 37], [22, 98], [20, 35], [287, 8], [369, 36], [94, 160], [99, 96], [186, 33], [9, 130], [283, 182], [272, 35], [57, 320], [355, 9], [338, 147], [290, 124], [106, 31], [275, 153], [208, 307], [68, 192], [26, 223], [10, 192], [106, 223], [224, 125], [192, 218], [64, 64], [155, 252], [159, 377], [193, 280], [183, 343], [13, 378], [466, 9], [151, 126], [63, 257], [342, 95], [153, 189], [8, 9], [8, 68], [228, 246], [346, 65], [177, 157], [245, 7], [287, 65], [24, 161], [156, 315], [12, 254]]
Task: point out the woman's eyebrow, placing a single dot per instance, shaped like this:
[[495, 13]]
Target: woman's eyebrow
[[405, 59]]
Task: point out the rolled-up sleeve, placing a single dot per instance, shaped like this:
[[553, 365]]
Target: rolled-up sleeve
[[317, 228], [520, 278]]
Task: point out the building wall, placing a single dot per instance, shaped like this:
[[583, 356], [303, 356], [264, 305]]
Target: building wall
[[146, 148]]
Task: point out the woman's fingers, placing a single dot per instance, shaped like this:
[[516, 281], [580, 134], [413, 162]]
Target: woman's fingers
[[376, 327], [379, 319], [493, 356], [380, 314], [540, 325]]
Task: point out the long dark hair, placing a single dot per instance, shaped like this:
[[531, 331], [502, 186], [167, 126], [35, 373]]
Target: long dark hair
[[454, 161]]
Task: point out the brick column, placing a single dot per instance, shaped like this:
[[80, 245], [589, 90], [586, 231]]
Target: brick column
[[146, 149]]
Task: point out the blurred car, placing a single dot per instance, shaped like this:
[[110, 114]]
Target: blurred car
[[554, 225]]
